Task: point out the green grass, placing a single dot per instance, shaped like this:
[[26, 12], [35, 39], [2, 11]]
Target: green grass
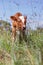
[[24, 53]]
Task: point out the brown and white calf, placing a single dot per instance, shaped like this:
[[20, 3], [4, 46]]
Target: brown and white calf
[[18, 23]]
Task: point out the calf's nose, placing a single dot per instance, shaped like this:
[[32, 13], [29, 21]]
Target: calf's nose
[[24, 27]]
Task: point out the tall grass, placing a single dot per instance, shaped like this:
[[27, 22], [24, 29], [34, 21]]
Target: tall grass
[[24, 53]]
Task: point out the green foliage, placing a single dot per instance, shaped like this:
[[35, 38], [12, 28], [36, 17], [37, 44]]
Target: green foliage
[[24, 53]]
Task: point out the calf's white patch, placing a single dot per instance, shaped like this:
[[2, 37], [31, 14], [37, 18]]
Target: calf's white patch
[[22, 18]]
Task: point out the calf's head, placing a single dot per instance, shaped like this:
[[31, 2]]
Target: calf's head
[[19, 21]]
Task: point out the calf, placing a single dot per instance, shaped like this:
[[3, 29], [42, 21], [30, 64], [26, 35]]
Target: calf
[[18, 23]]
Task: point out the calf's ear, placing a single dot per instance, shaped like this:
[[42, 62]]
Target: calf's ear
[[25, 17], [12, 17]]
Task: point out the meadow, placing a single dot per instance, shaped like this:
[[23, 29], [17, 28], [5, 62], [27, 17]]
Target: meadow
[[21, 53]]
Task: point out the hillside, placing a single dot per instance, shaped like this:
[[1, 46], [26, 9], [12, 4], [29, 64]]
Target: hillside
[[4, 25]]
